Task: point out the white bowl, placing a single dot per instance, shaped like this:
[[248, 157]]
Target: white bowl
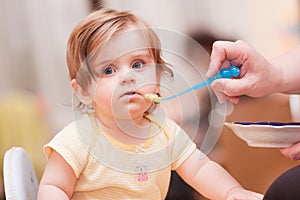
[[295, 107], [267, 134]]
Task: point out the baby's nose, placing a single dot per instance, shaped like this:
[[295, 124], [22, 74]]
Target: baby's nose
[[127, 77]]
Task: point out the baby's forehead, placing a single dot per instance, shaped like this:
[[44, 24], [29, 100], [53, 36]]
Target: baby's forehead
[[132, 41], [126, 41]]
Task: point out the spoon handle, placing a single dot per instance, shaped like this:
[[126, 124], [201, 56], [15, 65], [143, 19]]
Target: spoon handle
[[230, 72]]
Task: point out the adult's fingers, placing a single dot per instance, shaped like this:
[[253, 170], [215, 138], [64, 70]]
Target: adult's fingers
[[222, 97], [292, 152], [234, 99], [225, 54], [231, 87]]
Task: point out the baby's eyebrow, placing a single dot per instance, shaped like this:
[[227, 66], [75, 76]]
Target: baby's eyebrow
[[141, 56], [145, 55], [141, 52], [103, 62]]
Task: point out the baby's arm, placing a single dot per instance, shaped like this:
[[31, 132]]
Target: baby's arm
[[58, 180], [211, 180]]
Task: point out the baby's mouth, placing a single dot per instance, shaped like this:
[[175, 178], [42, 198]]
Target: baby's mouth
[[129, 93]]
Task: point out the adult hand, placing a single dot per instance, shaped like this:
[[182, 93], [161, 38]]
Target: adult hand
[[292, 152], [258, 76]]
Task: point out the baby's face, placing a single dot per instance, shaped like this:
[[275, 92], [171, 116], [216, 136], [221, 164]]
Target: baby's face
[[125, 73]]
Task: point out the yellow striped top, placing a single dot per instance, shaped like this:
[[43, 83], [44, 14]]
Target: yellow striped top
[[108, 169]]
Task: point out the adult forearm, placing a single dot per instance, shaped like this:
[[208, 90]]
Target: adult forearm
[[289, 62]]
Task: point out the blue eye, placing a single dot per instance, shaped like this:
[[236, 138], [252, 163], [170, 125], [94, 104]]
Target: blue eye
[[108, 70], [137, 65]]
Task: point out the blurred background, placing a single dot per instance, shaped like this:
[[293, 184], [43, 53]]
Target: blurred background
[[33, 37]]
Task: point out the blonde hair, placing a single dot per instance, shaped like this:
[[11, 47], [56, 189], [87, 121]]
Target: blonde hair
[[97, 28]]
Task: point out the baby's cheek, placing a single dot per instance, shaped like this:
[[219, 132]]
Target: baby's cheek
[[152, 88], [103, 98]]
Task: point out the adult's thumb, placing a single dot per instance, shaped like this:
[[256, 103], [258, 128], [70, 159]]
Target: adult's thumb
[[230, 87]]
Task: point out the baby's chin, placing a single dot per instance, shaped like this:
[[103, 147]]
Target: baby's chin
[[132, 110]]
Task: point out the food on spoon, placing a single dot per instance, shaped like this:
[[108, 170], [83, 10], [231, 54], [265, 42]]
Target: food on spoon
[[152, 97]]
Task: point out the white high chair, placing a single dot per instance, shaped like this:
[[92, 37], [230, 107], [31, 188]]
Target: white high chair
[[20, 180]]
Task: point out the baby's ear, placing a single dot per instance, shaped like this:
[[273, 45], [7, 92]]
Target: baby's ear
[[83, 95]]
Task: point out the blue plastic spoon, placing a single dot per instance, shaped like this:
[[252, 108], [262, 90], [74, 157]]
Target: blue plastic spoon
[[230, 72]]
